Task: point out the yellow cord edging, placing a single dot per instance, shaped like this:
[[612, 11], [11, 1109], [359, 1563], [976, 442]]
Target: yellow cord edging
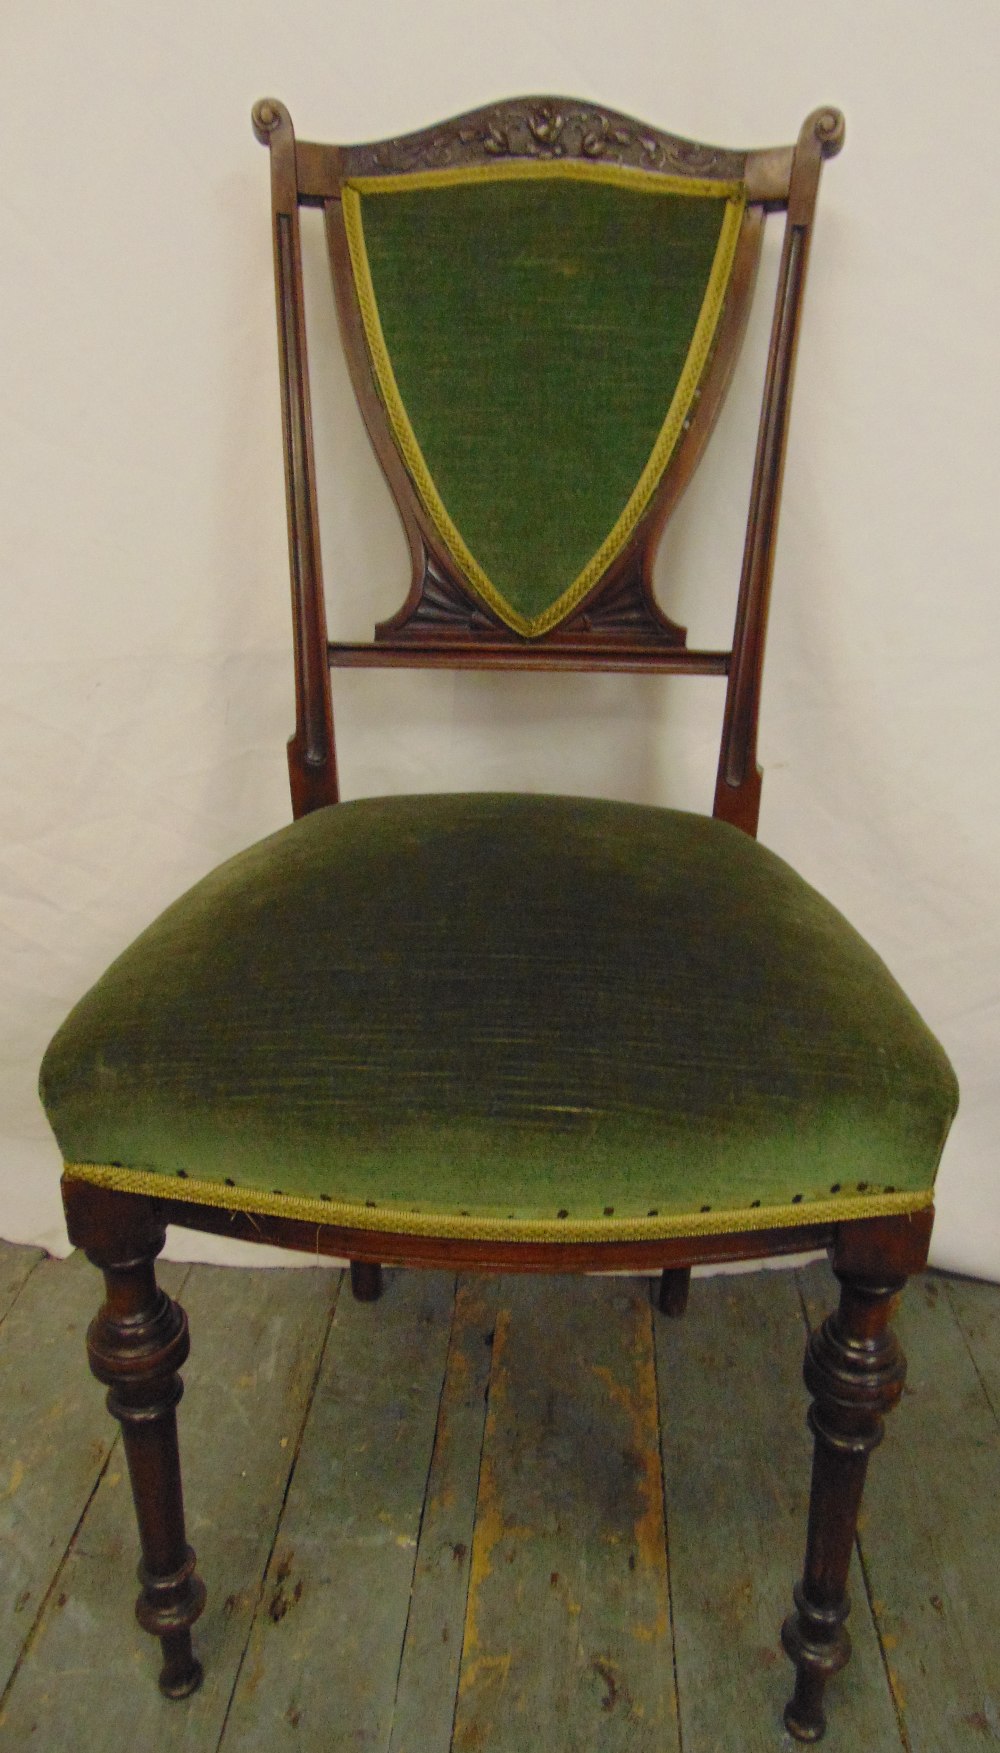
[[622, 176], [735, 196], [399, 1220]]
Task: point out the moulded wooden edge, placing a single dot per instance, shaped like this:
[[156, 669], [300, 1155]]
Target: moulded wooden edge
[[94, 1212], [860, 1246]]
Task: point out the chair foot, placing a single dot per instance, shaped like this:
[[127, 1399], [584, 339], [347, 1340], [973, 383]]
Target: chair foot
[[136, 1345], [366, 1281], [181, 1673], [855, 1371], [675, 1284]]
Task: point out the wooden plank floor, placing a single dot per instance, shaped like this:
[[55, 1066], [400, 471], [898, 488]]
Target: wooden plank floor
[[501, 1516]]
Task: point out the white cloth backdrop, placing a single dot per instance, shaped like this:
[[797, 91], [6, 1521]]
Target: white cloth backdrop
[[146, 685]]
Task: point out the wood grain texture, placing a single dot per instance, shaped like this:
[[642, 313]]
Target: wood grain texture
[[737, 792], [312, 761], [736, 1457], [323, 1661], [428, 1676], [16, 1266], [567, 1635], [976, 1308], [931, 1535], [248, 1389]]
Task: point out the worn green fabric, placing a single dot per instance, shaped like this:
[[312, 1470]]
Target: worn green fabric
[[505, 1005], [537, 331]]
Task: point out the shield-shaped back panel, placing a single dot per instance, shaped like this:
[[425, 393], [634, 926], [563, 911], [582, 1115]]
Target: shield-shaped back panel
[[537, 332]]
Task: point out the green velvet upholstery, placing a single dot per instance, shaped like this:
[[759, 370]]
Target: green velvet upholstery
[[511, 1007], [537, 331]]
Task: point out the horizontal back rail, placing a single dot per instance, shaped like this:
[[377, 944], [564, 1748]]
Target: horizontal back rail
[[551, 656]]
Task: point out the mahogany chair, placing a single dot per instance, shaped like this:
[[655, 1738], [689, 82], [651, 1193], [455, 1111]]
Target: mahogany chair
[[512, 1032]]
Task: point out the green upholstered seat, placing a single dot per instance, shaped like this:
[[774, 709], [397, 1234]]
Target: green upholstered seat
[[504, 1014]]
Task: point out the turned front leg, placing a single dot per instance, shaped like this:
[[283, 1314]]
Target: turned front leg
[[136, 1345], [855, 1370]]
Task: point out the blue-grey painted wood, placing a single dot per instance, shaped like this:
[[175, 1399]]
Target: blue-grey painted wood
[[432, 1649], [737, 1458], [567, 1634], [323, 1661], [976, 1308], [361, 1507], [91, 1682], [16, 1266], [55, 1438]]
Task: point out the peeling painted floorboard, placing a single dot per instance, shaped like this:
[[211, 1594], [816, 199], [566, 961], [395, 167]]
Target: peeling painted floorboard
[[436, 1523], [245, 1402], [567, 1629], [432, 1647], [55, 1438], [324, 1654]]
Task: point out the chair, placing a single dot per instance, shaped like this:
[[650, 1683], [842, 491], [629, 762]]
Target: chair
[[501, 1031]]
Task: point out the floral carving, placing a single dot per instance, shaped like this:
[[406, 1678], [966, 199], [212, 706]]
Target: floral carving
[[543, 128]]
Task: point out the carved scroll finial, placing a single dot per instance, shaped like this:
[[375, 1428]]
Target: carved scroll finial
[[828, 127], [266, 115]]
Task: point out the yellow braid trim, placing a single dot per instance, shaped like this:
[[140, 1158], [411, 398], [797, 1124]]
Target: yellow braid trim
[[534, 170], [401, 1220], [735, 197]]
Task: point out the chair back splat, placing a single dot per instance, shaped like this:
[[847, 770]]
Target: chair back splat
[[503, 1031], [533, 257]]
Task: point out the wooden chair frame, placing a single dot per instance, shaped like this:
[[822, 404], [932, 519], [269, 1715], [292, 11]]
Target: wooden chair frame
[[854, 1368]]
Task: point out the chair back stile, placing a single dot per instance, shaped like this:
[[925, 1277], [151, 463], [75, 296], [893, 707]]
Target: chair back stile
[[312, 759], [737, 793], [446, 621]]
